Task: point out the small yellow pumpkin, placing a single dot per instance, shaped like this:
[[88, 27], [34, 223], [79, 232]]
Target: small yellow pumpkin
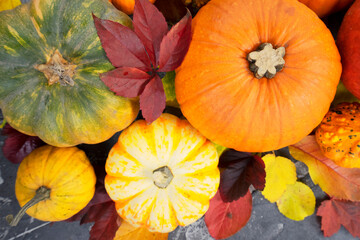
[[339, 135], [53, 184], [162, 174]]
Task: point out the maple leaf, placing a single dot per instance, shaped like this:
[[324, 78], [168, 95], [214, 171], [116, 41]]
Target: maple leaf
[[339, 182], [241, 170], [225, 219], [280, 172], [140, 55], [101, 210], [128, 232], [18, 145], [335, 212]]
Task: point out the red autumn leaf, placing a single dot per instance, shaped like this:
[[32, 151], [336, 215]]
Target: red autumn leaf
[[142, 49], [101, 210], [175, 44], [18, 145], [335, 212], [126, 81], [150, 26], [241, 170], [339, 182], [106, 225], [153, 100], [122, 45], [225, 219]]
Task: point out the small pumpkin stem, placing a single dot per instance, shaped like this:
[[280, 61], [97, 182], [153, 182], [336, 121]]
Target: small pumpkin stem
[[58, 70], [42, 193], [266, 61], [162, 177]]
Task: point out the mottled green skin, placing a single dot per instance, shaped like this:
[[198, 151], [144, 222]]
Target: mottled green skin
[[60, 115]]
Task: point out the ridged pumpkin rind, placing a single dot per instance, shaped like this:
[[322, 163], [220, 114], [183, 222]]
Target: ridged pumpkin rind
[[143, 148], [220, 96], [348, 44], [325, 7], [60, 115], [67, 172], [338, 135]]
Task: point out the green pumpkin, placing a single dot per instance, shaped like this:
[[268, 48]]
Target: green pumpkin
[[50, 61]]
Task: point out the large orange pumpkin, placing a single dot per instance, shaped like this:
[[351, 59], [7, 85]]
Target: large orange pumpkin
[[287, 94], [326, 7]]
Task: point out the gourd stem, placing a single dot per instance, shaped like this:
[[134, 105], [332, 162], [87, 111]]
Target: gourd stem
[[42, 193], [162, 177], [266, 61]]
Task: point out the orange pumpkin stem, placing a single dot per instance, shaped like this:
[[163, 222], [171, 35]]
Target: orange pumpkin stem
[[162, 177], [266, 61], [42, 193], [57, 69]]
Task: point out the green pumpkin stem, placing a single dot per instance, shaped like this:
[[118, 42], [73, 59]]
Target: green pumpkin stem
[[42, 193]]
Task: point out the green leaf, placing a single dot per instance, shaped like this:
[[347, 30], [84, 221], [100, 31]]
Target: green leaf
[[220, 149], [169, 87], [343, 95]]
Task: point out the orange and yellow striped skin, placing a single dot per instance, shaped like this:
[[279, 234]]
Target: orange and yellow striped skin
[[67, 172], [143, 148]]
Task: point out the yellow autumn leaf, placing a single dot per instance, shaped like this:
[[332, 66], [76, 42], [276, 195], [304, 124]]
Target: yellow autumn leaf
[[128, 232], [9, 4], [280, 172], [297, 202]]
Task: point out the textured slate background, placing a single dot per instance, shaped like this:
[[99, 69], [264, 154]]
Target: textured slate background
[[266, 223]]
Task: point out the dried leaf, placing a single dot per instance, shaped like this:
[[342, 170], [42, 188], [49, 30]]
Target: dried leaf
[[122, 46], [297, 202], [150, 26], [126, 81], [18, 145], [9, 4], [241, 170], [153, 100], [175, 44], [339, 182], [225, 219], [280, 172], [128, 232], [335, 212]]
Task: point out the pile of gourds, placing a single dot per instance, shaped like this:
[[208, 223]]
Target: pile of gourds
[[259, 75]]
